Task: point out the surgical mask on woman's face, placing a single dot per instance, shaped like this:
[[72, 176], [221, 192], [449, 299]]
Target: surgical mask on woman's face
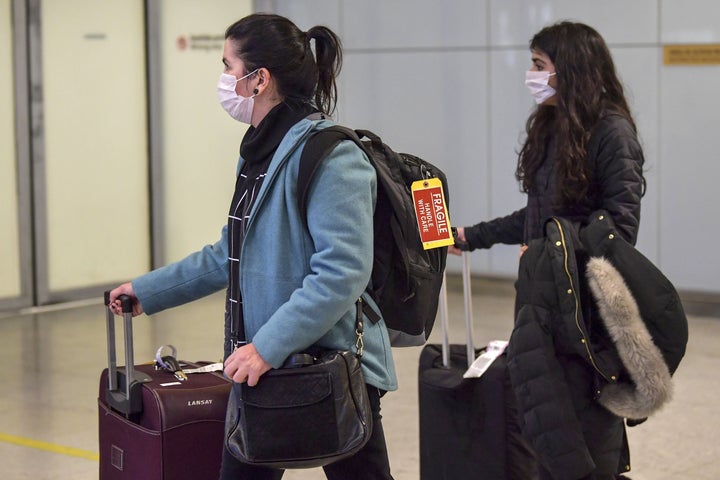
[[537, 82], [238, 107]]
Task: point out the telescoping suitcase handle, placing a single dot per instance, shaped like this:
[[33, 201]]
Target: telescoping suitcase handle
[[443, 307], [124, 392]]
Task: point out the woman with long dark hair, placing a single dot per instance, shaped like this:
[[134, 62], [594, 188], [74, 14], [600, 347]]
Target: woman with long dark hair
[[292, 279], [581, 155], [581, 152]]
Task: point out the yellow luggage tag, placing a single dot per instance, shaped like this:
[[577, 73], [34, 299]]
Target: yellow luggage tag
[[431, 213]]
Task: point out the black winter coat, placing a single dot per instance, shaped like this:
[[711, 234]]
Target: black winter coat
[[616, 184], [583, 354]]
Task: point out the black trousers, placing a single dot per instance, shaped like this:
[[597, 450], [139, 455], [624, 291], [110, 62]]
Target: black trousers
[[370, 463]]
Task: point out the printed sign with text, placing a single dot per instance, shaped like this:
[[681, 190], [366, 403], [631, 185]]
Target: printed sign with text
[[431, 213]]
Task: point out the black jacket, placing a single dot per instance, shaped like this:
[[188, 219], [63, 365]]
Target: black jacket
[[616, 185], [580, 356], [657, 300]]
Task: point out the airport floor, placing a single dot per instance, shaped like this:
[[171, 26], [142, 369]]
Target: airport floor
[[52, 359]]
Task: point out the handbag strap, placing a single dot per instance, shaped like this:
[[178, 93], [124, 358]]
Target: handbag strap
[[237, 330], [359, 345]]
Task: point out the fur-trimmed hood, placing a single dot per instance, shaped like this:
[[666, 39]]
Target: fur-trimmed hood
[[651, 386]]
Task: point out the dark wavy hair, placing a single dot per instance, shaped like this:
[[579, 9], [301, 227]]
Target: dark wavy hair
[[587, 87], [274, 42]]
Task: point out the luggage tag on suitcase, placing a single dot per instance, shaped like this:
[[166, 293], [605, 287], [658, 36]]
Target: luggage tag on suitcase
[[431, 213], [211, 367], [482, 363]]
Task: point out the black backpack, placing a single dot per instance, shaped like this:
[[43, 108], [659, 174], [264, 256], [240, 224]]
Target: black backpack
[[406, 279]]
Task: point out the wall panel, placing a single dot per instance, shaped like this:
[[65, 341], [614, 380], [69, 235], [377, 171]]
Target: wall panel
[[304, 13], [688, 204], [374, 24], [619, 21], [690, 21], [510, 105], [91, 146]]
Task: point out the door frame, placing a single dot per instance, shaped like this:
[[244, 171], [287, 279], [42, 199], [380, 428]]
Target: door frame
[[22, 157]]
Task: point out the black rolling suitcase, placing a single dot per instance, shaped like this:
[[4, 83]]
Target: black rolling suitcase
[[152, 426], [468, 427]]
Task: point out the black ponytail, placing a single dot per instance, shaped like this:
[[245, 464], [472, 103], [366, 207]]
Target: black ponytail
[[328, 52], [274, 42]]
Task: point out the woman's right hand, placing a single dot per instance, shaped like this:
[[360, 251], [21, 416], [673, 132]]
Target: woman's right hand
[[246, 365], [124, 289], [461, 244]]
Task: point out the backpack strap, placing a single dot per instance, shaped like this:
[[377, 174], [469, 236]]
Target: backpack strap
[[317, 147]]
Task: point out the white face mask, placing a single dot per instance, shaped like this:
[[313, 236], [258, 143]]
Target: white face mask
[[537, 82], [238, 107]]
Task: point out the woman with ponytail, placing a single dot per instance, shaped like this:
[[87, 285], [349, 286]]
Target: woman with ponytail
[[292, 281]]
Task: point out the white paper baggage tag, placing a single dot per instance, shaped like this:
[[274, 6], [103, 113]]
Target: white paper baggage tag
[[482, 363], [431, 213], [213, 367]]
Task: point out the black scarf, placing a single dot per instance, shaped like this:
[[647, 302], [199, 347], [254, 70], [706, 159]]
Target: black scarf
[[257, 150]]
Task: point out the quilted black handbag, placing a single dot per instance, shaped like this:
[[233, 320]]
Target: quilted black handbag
[[311, 412]]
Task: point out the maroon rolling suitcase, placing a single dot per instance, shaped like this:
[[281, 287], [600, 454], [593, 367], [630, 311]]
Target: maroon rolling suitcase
[[154, 427]]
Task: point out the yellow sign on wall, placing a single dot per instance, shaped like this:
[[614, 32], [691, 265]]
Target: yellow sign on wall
[[705, 54]]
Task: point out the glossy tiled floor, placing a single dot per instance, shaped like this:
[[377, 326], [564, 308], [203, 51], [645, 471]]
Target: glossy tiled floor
[[51, 363]]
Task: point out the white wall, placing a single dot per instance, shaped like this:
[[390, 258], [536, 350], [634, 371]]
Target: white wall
[[444, 80]]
